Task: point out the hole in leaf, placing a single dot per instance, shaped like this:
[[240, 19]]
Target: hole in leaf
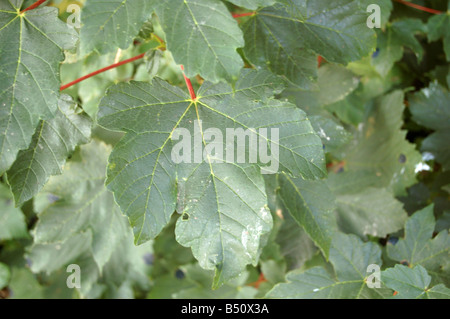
[[185, 216], [392, 240], [402, 158]]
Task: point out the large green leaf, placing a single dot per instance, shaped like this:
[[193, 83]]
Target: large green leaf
[[287, 36], [31, 47], [12, 220], [223, 203], [108, 25], [430, 108], [311, 203], [203, 36], [350, 258], [419, 248], [52, 143], [413, 283]]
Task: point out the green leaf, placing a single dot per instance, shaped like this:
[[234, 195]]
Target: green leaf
[[52, 143], [286, 35], [391, 43], [77, 213], [380, 151], [252, 4], [418, 247], [223, 203], [295, 244], [203, 36], [5, 276], [24, 285], [438, 292], [124, 273], [31, 47], [437, 144], [409, 283], [108, 25], [350, 258], [438, 27], [371, 211], [429, 108], [50, 257], [334, 83], [413, 283], [333, 134], [275, 46], [12, 220], [311, 204]]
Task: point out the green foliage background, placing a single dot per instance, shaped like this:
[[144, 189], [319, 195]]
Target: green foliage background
[[364, 165]]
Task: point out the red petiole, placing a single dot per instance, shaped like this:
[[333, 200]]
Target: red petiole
[[112, 66], [33, 6], [189, 85], [247, 14]]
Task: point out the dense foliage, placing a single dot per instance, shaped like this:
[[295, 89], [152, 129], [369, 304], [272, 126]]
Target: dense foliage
[[88, 177]]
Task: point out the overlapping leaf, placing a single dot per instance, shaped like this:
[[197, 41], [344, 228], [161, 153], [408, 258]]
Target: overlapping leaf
[[52, 143], [413, 283], [5, 275], [76, 211], [366, 211], [334, 83], [203, 36], [287, 36], [350, 258], [31, 47], [392, 41], [430, 107], [418, 247], [438, 26], [108, 25], [311, 204], [223, 203], [381, 151], [80, 223], [12, 220]]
